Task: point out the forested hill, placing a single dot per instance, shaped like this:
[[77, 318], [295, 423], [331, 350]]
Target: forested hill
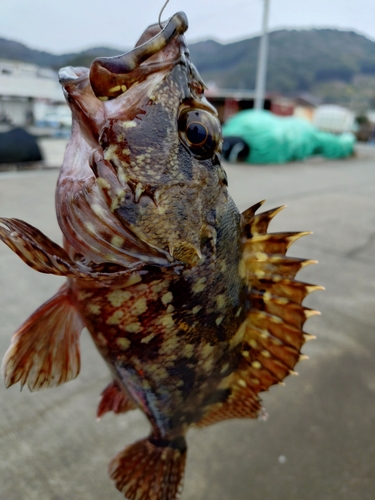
[[298, 59], [16, 51], [321, 61]]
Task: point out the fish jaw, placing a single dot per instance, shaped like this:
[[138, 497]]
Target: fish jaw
[[130, 158]]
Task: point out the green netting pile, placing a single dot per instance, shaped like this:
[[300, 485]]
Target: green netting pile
[[276, 139]]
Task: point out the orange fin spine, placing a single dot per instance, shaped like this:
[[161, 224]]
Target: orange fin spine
[[114, 399], [289, 311], [258, 224], [248, 215], [269, 324], [293, 290], [268, 346], [273, 334], [258, 265], [45, 350], [147, 471], [272, 243]]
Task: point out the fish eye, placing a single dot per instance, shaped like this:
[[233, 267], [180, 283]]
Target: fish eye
[[196, 133], [199, 131]]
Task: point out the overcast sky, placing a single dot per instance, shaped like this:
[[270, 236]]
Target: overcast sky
[[71, 25]]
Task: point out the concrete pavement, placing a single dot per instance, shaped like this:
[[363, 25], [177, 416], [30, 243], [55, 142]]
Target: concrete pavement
[[318, 443]]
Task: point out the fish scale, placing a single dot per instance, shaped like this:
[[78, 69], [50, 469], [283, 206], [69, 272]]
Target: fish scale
[[193, 306]]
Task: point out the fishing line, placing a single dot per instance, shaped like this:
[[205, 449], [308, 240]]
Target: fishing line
[[161, 12]]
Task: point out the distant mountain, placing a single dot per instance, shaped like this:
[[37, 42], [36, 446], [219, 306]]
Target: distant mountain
[[338, 66], [298, 59], [16, 51]]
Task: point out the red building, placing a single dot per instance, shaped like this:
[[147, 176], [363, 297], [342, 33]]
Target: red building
[[230, 101]]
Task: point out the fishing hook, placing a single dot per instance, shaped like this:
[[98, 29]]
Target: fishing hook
[[161, 12]]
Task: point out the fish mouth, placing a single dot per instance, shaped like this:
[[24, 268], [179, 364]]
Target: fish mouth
[[112, 76]]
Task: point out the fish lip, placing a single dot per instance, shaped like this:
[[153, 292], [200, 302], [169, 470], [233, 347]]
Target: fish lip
[[108, 73], [70, 74], [179, 22]]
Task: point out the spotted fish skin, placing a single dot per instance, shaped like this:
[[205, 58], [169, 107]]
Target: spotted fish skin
[[193, 306], [168, 337], [166, 331]]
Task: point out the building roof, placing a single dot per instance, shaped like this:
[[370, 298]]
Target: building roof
[[29, 81], [307, 99], [233, 93]]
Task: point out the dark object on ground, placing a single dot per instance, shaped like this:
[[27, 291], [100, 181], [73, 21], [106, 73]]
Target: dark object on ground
[[17, 145], [366, 129], [235, 149]]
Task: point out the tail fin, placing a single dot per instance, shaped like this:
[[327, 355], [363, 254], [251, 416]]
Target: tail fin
[[45, 350], [150, 470]]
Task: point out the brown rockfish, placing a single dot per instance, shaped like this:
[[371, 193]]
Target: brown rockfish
[[193, 305]]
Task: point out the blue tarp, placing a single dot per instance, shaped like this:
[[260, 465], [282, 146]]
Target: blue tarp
[[276, 139]]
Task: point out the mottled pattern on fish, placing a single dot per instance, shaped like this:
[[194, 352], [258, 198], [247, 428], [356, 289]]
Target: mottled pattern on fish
[[193, 305], [169, 335]]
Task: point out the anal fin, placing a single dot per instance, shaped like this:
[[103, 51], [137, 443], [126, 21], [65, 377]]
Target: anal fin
[[45, 350], [114, 399]]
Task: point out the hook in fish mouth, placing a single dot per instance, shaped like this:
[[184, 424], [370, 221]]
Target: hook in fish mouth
[[109, 75], [161, 13]]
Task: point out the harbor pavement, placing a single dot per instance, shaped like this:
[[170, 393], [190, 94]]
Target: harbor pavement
[[318, 442]]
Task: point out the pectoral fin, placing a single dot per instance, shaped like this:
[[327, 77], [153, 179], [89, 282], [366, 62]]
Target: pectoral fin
[[45, 256], [34, 248], [45, 350]]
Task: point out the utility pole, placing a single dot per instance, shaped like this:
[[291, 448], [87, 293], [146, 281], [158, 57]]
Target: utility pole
[[260, 88]]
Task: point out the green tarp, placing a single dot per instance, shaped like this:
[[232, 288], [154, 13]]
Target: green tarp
[[276, 139]]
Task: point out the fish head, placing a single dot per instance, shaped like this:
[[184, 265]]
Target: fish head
[[156, 142]]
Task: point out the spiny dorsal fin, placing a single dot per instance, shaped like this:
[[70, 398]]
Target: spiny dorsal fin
[[258, 224], [271, 334]]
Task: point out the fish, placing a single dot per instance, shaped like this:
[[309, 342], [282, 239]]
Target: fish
[[193, 306]]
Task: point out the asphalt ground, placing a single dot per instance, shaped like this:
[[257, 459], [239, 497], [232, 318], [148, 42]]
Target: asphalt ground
[[318, 442]]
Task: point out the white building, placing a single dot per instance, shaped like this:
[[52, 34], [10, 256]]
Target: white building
[[25, 91]]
